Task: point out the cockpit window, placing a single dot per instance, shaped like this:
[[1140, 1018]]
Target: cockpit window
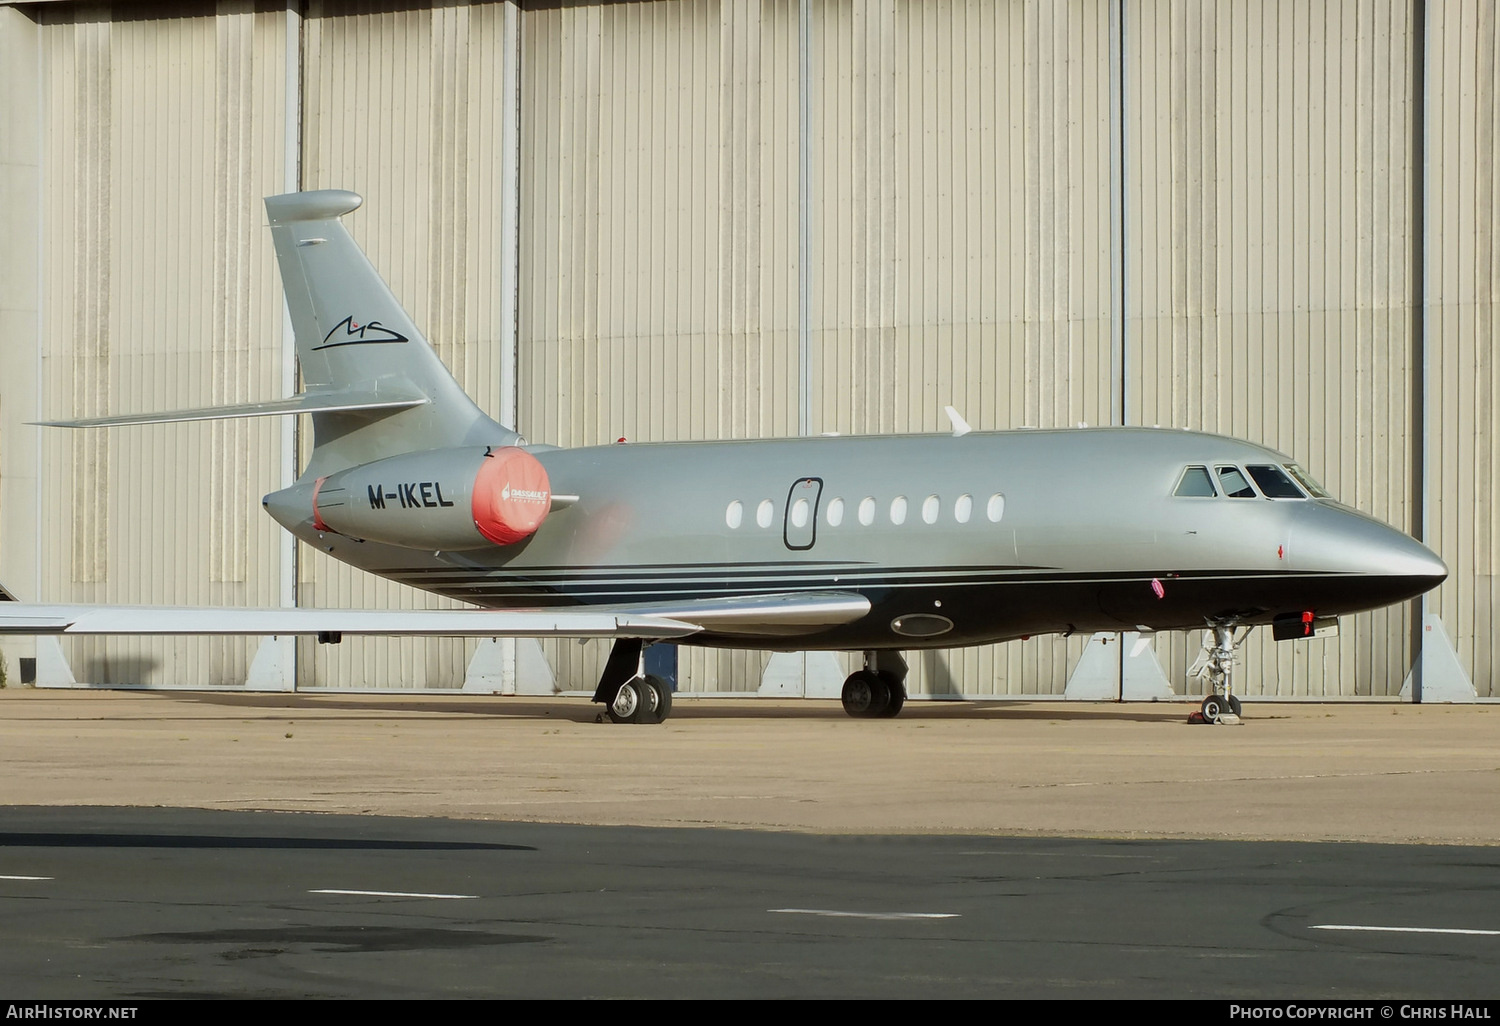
[[1196, 483], [1274, 484], [1235, 485], [1307, 481]]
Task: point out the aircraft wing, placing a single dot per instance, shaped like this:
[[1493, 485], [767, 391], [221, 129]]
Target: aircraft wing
[[25, 618], [760, 615]]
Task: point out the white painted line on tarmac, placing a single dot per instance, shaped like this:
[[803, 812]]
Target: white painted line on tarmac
[[1057, 854], [1410, 929], [391, 894], [865, 915], [25, 878]]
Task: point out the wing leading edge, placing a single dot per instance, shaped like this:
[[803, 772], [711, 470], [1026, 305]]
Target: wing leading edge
[[23, 618], [343, 400], [764, 615]]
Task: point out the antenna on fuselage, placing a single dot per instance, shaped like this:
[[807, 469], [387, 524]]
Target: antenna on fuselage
[[960, 426]]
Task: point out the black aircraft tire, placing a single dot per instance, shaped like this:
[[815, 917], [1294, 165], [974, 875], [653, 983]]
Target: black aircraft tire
[[1212, 708], [1234, 705], [661, 705], [880, 697], [628, 705], [859, 693], [897, 692]]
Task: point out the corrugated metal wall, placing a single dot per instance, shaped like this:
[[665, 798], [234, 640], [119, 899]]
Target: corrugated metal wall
[[406, 107], [160, 136], [1462, 322], [961, 240], [659, 240], [960, 214], [1268, 251]]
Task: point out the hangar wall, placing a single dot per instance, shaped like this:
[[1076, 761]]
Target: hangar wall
[[1269, 247], [641, 161]]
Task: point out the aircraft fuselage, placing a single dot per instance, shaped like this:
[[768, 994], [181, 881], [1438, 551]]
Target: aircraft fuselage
[[953, 540]]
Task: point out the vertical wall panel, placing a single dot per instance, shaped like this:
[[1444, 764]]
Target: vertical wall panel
[[960, 240], [162, 131], [406, 106], [20, 303], [658, 230], [1268, 279], [1463, 299], [659, 239]]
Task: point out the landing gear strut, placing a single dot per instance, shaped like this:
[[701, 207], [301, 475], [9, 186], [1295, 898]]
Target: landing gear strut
[[1216, 667], [878, 690], [628, 693]]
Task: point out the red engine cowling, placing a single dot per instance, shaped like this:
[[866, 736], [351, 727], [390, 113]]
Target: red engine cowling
[[512, 496], [447, 499]]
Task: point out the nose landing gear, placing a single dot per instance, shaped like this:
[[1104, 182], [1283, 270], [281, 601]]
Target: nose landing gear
[[1216, 667]]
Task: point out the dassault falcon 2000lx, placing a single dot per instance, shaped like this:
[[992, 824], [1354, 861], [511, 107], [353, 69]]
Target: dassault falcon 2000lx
[[873, 545]]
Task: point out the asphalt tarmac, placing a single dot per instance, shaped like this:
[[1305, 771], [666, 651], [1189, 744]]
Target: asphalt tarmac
[[160, 844]]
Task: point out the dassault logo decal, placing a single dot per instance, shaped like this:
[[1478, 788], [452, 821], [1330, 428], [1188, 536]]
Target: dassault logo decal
[[509, 493], [348, 333]]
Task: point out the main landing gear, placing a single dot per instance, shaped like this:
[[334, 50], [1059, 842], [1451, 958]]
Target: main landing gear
[[1216, 667], [628, 693], [879, 690]]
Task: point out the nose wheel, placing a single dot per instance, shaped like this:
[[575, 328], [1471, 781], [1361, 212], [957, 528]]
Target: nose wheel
[[1216, 667]]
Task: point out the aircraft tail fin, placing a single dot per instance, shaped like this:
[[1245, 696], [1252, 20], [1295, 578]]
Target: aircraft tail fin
[[354, 337]]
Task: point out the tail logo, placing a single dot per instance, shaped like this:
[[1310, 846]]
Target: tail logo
[[348, 333]]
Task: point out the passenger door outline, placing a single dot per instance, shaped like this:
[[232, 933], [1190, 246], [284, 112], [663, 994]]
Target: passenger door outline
[[802, 536]]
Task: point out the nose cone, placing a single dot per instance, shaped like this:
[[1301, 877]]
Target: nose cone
[[1380, 564], [290, 507]]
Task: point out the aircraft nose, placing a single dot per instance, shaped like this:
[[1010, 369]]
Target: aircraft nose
[[1340, 540]]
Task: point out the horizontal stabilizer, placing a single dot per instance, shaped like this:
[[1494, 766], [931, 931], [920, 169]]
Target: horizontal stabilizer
[[343, 401], [25, 618], [784, 613]]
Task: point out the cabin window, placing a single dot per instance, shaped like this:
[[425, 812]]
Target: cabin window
[[996, 508], [735, 514], [867, 511], [930, 507], [1274, 483], [1307, 481], [835, 512], [963, 508], [1235, 485], [800, 509], [764, 512], [898, 510], [1196, 483]]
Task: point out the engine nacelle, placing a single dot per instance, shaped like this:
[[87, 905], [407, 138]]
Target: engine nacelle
[[451, 499]]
